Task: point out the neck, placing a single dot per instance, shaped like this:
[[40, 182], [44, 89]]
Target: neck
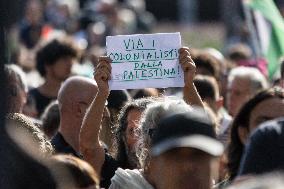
[[50, 87], [69, 136]]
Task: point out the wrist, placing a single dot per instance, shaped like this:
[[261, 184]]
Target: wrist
[[189, 85], [103, 94]]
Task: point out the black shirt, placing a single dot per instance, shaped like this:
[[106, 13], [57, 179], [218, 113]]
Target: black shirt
[[40, 100], [61, 146], [108, 169]]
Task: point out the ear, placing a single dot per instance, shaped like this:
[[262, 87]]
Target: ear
[[219, 102], [243, 134], [77, 109]]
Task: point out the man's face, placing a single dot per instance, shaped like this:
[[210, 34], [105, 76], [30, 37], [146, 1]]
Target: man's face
[[184, 168], [61, 70], [238, 93]]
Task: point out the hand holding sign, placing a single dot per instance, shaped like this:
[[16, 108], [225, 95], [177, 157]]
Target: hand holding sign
[[102, 75], [188, 66], [141, 61]]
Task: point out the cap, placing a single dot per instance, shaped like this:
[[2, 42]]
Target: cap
[[192, 129]]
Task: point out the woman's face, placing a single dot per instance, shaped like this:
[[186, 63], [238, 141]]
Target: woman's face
[[133, 119], [266, 110]]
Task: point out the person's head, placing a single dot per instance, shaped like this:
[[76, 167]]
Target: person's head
[[208, 90], [31, 30], [34, 12], [17, 88], [55, 59], [74, 97], [147, 92], [264, 152], [70, 171], [206, 64], [265, 105], [115, 102], [183, 151], [239, 52], [243, 84], [148, 125], [125, 132], [27, 135], [150, 119], [51, 119]]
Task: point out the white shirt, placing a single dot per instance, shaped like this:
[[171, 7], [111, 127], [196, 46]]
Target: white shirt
[[129, 179]]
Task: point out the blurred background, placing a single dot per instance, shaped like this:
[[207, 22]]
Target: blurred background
[[216, 24]]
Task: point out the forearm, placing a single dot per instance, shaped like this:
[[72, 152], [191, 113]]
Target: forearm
[[90, 146], [89, 133], [191, 96]]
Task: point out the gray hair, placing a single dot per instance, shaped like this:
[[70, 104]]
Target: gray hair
[[257, 80], [150, 118]]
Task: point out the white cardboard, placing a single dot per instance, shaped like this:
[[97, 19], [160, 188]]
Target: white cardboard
[[145, 61]]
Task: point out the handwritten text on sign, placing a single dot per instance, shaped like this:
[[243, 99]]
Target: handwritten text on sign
[[141, 61]]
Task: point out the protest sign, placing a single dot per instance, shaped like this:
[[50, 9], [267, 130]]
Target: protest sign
[[145, 60]]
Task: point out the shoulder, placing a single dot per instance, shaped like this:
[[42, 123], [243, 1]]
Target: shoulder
[[127, 178], [123, 176]]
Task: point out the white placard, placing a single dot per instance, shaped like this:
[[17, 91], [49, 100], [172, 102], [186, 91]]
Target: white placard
[[145, 61]]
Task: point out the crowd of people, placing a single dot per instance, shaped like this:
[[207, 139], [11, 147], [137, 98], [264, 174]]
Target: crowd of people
[[223, 129]]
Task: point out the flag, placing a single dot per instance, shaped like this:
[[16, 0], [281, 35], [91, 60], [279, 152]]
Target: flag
[[270, 31]]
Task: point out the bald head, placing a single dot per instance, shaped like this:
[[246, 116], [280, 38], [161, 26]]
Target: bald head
[[76, 89], [74, 97]]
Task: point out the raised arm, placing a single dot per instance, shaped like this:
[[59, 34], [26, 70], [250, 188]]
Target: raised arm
[[90, 146], [190, 94]]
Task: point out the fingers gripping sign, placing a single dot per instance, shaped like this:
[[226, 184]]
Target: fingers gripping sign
[[145, 60], [102, 74], [190, 93], [187, 65]]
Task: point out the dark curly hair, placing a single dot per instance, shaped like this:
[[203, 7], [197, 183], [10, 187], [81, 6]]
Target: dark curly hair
[[52, 52], [139, 104], [235, 148]]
